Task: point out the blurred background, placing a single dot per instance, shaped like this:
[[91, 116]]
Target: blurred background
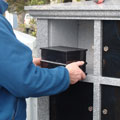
[[21, 20]]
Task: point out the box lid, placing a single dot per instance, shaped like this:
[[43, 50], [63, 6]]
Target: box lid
[[63, 49]]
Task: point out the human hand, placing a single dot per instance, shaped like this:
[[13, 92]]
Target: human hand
[[36, 61], [75, 73]]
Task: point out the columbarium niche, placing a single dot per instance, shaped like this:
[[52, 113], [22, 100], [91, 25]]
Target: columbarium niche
[[89, 26]]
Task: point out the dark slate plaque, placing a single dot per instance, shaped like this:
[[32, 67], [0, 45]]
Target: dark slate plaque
[[111, 68], [110, 103], [74, 104]]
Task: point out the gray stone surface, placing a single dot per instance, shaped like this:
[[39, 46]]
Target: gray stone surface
[[42, 37], [82, 10], [98, 48], [42, 41], [76, 25], [86, 40], [97, 101], [86, 5], [43, 108], [63, 32]]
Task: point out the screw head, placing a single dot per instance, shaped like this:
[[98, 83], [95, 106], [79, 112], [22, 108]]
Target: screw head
[[90, 108], [105, 111], [106, 48]]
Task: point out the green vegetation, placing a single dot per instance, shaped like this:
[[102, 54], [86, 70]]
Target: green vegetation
[[32, 28], [18, 5]]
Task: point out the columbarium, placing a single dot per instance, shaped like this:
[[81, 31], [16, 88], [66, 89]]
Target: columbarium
[[92, 27]]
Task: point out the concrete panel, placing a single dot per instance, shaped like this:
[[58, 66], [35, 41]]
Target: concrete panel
[[42, 41], [86, 40], [98, 48], [63, 33]]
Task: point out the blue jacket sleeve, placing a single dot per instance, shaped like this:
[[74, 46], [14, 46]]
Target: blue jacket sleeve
[[19, 75]]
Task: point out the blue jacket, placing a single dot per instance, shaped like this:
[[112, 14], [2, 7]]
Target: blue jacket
[[19, 77]]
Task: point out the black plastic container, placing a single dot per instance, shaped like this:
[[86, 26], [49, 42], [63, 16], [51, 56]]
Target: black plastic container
[[61, 56]]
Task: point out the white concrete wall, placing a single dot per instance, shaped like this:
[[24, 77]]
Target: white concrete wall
[[12, 18]]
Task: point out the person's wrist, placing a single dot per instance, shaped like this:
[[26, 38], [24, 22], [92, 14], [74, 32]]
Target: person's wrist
[[36, 61], [68, 74]]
